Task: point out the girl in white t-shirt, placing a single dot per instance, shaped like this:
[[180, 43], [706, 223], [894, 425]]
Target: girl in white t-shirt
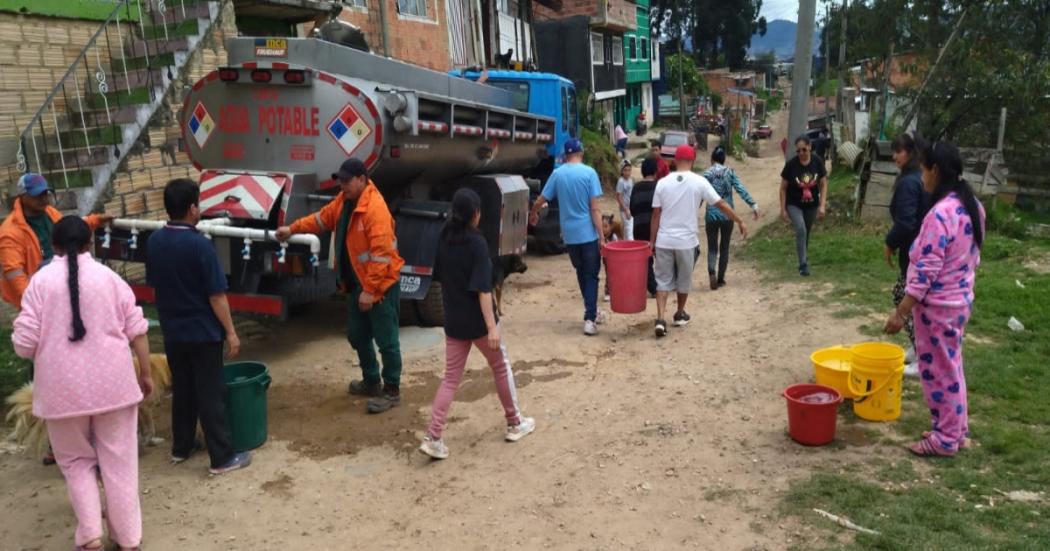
[[624, 186]]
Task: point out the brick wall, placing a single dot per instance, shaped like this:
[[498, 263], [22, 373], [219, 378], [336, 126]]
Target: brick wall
[[38, 52], [620, 13], [419, 41]]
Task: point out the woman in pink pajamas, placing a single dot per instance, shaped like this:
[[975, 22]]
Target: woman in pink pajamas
[[464, 269], [76, 322], [939, 294]]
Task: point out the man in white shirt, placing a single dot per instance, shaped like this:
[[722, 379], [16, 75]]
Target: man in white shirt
[[674, 229]]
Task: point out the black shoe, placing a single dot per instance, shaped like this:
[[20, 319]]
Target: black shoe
[[661, 328], [361, 388], [681, 319], [713, 280], [389, 399], [721, 283], [803, 270]]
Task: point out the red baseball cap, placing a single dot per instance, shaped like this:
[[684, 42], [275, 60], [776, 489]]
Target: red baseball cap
[[685, 152]]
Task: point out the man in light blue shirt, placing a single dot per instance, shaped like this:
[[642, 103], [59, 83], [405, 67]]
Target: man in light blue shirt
[[576, 188]]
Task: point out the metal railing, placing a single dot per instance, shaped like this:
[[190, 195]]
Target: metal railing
[[87, 83]]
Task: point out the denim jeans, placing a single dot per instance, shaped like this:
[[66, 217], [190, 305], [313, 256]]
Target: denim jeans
[[586, 258]]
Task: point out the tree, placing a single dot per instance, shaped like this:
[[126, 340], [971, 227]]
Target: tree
[[683, 65], [718, 29]]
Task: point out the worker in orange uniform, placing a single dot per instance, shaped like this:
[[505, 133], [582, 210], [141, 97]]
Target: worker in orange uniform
[[369, 269], [25, 236], [25, 241]]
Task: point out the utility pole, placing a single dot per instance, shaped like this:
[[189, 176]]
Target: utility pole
[[681, 83], [807, 12], [827, 63], [840, 97]]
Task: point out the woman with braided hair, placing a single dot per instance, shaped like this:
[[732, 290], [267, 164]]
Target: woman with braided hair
[[76, 322]]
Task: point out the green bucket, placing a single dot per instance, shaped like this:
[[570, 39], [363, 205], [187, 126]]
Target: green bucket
[[246, 384]]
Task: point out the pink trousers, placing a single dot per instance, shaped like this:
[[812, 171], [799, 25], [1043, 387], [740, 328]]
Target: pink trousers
[[456, 352], [939, 346], [107, 443]]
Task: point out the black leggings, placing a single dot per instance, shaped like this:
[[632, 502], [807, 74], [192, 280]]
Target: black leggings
[[718, 235]]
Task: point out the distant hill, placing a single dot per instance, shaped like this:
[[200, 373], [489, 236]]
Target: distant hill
[[780, 37]]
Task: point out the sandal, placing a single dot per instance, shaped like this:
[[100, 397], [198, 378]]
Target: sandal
[[965, 444], [926, 448]]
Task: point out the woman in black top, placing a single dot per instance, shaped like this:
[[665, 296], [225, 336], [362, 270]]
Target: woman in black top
[[464, 269], [907, 208], [803, 196]]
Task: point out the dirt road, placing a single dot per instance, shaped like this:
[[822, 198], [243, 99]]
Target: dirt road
[[642, 444]]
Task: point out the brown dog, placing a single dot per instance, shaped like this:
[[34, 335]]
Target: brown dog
[[501, 269]]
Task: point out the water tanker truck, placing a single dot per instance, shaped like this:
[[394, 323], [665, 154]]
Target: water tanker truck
[[268, 130]]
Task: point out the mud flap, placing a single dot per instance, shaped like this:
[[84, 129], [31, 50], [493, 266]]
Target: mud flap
[[419, 224]]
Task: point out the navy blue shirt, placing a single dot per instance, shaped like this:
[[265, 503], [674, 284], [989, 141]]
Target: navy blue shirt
[[184, 269]]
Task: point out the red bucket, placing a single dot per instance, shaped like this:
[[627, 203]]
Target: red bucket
[[812, 413], [627, 265]]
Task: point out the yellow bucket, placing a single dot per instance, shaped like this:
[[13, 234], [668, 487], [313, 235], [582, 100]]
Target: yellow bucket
[[875, 376], [831, 368]]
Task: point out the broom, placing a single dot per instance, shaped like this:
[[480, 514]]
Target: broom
[[31, 432]]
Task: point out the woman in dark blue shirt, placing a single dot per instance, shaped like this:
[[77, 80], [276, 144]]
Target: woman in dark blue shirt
[[907, 208]]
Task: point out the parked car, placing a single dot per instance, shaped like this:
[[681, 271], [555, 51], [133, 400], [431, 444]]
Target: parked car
[[671, 139], [763, 132]]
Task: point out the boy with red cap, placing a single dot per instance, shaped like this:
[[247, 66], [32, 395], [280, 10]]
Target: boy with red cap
[[674, 230]]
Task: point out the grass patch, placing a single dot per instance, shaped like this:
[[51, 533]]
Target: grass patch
[[940, 504], [601, 156], [14, 371]]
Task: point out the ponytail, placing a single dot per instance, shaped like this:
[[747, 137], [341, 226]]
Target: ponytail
[[70, 236], [948, 161]]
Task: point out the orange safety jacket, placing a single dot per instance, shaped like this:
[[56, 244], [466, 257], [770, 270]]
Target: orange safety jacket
[[371, 243], [20, 252]]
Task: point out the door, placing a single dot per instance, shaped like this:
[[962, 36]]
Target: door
[[463, 41]]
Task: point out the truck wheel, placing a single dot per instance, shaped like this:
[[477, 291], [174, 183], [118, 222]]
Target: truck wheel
[[409, 316], [431, 310]]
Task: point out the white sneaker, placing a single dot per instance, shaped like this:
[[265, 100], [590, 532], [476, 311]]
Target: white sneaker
[[606, 298], [601, 317], [911, 369], [434, 448], [909, 356], [590, 328], [521, 430]]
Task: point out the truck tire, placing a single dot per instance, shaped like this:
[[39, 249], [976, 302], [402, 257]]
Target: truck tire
[[431, 310], [409, 316]]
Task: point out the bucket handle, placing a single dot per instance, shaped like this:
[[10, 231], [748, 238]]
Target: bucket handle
[[864, 395], [266, 382]]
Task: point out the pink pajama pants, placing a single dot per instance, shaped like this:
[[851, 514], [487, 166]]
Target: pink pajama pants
[[938, 345], [456, 352], [107, 442]]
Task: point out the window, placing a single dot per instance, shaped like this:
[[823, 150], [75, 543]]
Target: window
[[632, 48], [644, 49], [617, 50], [357, 4], [597, 49], [519, 93], [415, 8], [573, 117]]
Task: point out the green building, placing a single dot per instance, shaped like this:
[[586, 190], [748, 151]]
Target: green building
[[637, 54]]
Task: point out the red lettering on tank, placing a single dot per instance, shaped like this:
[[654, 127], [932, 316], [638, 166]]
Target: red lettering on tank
[[287, 120], [233, 119], [314, 116]]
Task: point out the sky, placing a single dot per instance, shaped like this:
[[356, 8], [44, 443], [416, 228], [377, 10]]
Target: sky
[[780, 9]]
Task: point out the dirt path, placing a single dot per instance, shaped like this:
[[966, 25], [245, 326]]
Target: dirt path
[[641, 444]]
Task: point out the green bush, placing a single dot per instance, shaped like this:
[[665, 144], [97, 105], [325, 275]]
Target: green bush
[[1003, 219], [600, 155]]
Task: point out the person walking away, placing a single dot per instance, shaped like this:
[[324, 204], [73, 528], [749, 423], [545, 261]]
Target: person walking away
[[940, 294], [907, 209], [184, 269], [577, 189], [661, 165], [613, 231], [76, 322], [718, 227], [369, 269], [464, 268], [25, 241], [642, 213], [623, 198], [803, 195], [620, 141], [673, 232]]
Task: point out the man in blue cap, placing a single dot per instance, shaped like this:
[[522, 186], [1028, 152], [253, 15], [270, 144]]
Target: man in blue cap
[[576, 188]]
